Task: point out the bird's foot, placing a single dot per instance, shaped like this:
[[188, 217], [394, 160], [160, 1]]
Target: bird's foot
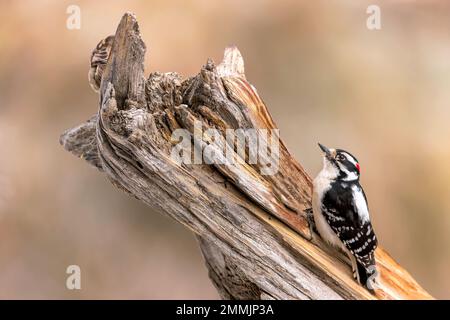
[[312, 225]]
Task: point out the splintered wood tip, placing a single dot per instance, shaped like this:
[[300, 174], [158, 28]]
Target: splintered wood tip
[[232, 63]]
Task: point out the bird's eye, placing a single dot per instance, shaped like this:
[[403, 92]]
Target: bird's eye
[[340, 157]]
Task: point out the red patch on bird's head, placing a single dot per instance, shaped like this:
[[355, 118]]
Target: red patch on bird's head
[[358, 167]]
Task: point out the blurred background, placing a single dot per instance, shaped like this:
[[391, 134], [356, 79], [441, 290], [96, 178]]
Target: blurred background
[[383, 95]]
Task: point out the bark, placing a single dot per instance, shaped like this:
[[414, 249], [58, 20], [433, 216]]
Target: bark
[[251, 228]]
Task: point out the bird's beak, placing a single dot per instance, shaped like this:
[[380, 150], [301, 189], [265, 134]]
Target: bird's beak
[[325, 150]]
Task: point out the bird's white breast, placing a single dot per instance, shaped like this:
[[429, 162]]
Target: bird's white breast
[[321, 185]]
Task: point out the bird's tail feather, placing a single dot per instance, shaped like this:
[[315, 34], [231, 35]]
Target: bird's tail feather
[[368, 276]]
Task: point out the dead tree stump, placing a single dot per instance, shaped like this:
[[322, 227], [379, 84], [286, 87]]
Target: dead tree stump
[[251, 228]]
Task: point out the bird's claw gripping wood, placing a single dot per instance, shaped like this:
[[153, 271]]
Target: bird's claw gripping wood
[[252, 230], [308, 212]]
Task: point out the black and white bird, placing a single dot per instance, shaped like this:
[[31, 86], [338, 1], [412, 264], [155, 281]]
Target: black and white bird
[[341, 214]]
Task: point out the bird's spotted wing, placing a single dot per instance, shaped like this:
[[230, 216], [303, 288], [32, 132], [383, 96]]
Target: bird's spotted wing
[[342, 209]]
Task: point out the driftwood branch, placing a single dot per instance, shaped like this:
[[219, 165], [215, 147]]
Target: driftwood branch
[[251, 227]]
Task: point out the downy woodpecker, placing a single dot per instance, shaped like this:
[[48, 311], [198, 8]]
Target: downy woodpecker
[[341, 214]]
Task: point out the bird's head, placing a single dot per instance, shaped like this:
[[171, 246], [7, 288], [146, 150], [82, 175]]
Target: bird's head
[[340, 164]]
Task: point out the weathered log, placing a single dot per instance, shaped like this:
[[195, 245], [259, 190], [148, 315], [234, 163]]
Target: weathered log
[[251, 227]]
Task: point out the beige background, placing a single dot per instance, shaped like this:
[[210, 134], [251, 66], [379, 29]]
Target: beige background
[[383, 95]]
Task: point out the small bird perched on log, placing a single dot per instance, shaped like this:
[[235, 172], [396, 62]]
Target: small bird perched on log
[[99, 58], [341, 215]]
